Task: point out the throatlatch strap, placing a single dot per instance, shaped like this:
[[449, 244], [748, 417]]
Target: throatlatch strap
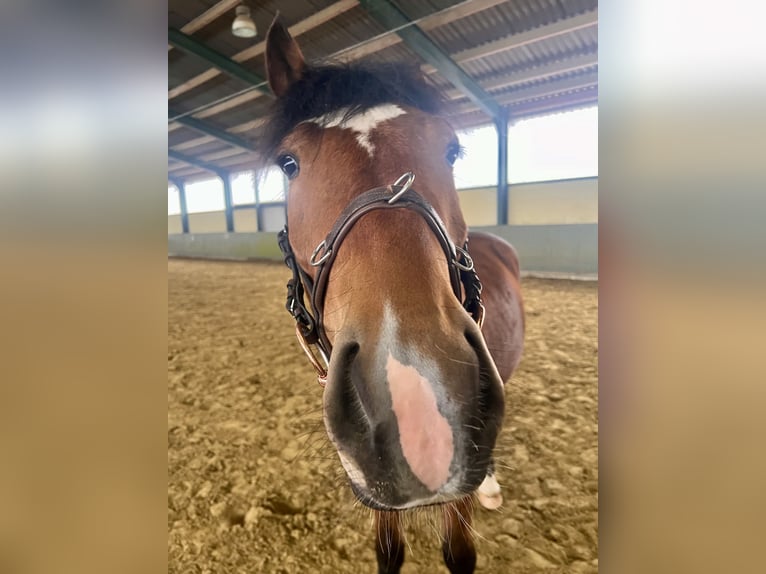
[[473, 288], [295, 303]]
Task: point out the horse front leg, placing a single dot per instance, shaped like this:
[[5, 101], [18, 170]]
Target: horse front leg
[[457, 547], [389, 545]]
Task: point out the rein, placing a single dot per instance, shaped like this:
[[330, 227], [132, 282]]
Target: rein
[[309, 327]]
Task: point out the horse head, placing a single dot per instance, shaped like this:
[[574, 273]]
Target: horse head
[[413, 401]]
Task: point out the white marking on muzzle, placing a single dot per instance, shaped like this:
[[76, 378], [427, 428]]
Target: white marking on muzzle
[[425, 435], [362, 124]]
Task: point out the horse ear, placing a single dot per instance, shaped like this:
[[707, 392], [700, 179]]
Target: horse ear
[[284, 60]]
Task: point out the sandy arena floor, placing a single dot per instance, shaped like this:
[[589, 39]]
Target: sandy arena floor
[[254, 485]]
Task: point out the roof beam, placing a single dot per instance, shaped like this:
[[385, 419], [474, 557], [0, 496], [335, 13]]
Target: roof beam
[[216, 156], [440, 18], [220, 105], [228, 165], [528, 75], [390, 16], [380, 42], [565, 103], [547, 106], [222, 154], [389, 38], [564, 66], [538, 91], [193, 161], [208, 16], [207, 129], [247, 126], [249, 53], [188, 144], [548, 89], [535, 73], [191, 175], [557, 28], [241, 128], [190, 45], [234, 168], [545, 71], [186, 171]]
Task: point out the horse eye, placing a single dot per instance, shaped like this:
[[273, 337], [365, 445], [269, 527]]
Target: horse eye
[[289, 165], [454, 151]]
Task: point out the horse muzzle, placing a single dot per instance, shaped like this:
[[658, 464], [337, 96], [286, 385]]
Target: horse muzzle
[[414, 419]]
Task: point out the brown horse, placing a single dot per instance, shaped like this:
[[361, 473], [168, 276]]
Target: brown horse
[[413, 400]]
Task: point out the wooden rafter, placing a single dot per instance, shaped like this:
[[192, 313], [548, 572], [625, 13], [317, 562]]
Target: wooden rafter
[[430, 22], [208, 16], [534, 73], [309, 23]]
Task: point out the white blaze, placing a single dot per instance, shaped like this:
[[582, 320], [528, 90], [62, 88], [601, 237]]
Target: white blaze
[[361, 124]]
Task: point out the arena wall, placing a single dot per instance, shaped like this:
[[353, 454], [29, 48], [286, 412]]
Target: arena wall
[[244, 220], [542, 203], [553, 226]]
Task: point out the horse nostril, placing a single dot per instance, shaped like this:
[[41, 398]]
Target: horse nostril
[[340, 393], [351, 351], [343, 364], [343, 357]]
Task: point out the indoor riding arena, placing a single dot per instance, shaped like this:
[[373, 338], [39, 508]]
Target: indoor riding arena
[[254, 483]]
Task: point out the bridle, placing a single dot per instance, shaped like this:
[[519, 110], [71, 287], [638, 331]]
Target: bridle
[[309, 326]]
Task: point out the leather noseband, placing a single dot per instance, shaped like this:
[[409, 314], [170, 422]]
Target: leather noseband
[[309, 325]]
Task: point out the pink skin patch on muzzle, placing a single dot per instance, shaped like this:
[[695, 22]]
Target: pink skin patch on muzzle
[[424, 434]]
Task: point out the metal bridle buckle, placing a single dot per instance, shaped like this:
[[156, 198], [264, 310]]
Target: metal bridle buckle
[[316, 262], [318, 367], [463, 255], [408, 178]]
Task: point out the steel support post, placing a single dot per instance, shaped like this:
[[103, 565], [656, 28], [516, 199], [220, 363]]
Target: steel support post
[[181, 186], [226, 178], [258, 215], [501, 125]]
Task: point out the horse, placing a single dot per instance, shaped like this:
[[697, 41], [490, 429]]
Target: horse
[[412, 323]]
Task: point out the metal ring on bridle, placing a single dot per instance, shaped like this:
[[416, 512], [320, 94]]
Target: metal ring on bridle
[[314, 261], [408, 178], [463, 256]]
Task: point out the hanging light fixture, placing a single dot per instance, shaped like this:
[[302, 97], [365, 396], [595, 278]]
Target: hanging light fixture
[[243, 25]]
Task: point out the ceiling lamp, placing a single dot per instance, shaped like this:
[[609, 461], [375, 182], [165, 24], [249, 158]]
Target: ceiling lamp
[[243, 25]]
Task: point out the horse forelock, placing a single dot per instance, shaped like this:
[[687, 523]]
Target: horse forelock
[[350, 90]]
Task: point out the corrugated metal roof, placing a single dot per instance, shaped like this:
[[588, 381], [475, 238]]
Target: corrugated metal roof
[[532, 56]]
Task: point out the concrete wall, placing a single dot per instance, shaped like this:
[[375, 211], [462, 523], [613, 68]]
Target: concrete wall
[[174, 224], [544, 203], [245, 220], [570, 249], [214, 222], [207, 222], [554, 227], [479, 206], [551, 203], [555, 249], [238, 246]]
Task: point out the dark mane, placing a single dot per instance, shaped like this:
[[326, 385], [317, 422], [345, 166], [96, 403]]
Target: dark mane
[[327, 89]]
